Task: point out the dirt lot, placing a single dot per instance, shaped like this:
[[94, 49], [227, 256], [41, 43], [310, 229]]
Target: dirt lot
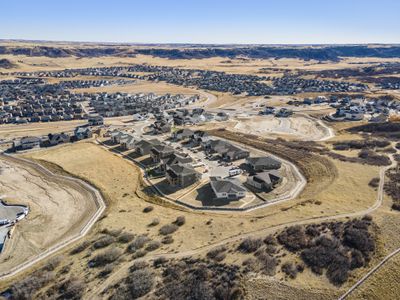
[[60, 208]]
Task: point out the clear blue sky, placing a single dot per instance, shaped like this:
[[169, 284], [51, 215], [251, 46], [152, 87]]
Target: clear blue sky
[[203, 21]]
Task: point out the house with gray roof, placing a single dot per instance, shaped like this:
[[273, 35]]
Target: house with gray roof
[[81, 133], [181, 175], [58, 138], [95, 120], [128, 143], [262, 163], [226, 150], [175, 159], [227, 188], [182, 134], [143, 147], [264, 181], [25, 143], [158, 152]]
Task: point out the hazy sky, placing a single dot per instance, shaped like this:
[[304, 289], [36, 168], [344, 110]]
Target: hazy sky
[[203, 21]]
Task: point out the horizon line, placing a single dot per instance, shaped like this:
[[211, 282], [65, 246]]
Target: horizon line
[[194, 43]]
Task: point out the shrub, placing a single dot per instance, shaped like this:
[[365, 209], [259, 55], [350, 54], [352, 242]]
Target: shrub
[[194, 279], [250, 245], [138, 265], [293, 238], [270, 240], [53, 263], [374, 182], [168, 229], [270, 249], [112, 232], [71, 289], [153, 245], [155, 222], [104, 258], [374, 159], [138, 243], [148, 209], [140, 283], [251, 265], [338, 272], [217, 254], [159, 261], [327, 253], [139, 253], [80, 248], [289, 269], [359, 239], [106, 271], [103, 242], [28, 286], [181, 220], [126, 237], [268, 262], [168, 239]]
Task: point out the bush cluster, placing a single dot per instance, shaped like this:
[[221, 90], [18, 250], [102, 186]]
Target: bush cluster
[[336, 247]]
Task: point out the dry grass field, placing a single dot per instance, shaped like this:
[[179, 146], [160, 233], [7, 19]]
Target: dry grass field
[[58, 207], [119, 181], [335, 189]]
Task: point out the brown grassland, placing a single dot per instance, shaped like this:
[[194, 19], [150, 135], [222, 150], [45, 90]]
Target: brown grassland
[[333, 188]]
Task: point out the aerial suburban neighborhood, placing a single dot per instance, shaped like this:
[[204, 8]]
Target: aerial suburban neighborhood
[[200, 150]]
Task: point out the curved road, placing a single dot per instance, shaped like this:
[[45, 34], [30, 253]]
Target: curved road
[[116, 275], [101, 207], [378, 266]]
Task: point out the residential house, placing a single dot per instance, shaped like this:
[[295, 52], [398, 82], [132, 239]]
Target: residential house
[[181, 175], [258, 164], [182, 134], [143, 147], [95, 120], [117, 136], [26, 143], [227, 188], [199, 137], [265, 181], [175, 159], [221, 116], [128, 142], [58, 138], [82, 133], [158, 152]]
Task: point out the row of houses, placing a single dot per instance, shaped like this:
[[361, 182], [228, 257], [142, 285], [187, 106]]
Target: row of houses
[[374, 110], [264, 177], [251, 85], [28, 100], [123, 104], [177, 167], [242, 83], [33, 142]]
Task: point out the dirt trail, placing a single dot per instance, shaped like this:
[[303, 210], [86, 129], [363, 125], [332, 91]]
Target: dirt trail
[[117, 275], [63, 207]]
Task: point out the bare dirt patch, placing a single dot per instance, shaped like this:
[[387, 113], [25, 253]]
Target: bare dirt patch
[[59, 208]]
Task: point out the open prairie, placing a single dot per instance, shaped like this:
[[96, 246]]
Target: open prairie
[[343, 163]]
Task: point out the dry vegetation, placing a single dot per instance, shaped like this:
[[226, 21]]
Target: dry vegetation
[[127, 249]]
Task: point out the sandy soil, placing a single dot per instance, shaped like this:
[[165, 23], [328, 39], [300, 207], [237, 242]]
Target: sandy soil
[[298, 127], [48, 199]]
